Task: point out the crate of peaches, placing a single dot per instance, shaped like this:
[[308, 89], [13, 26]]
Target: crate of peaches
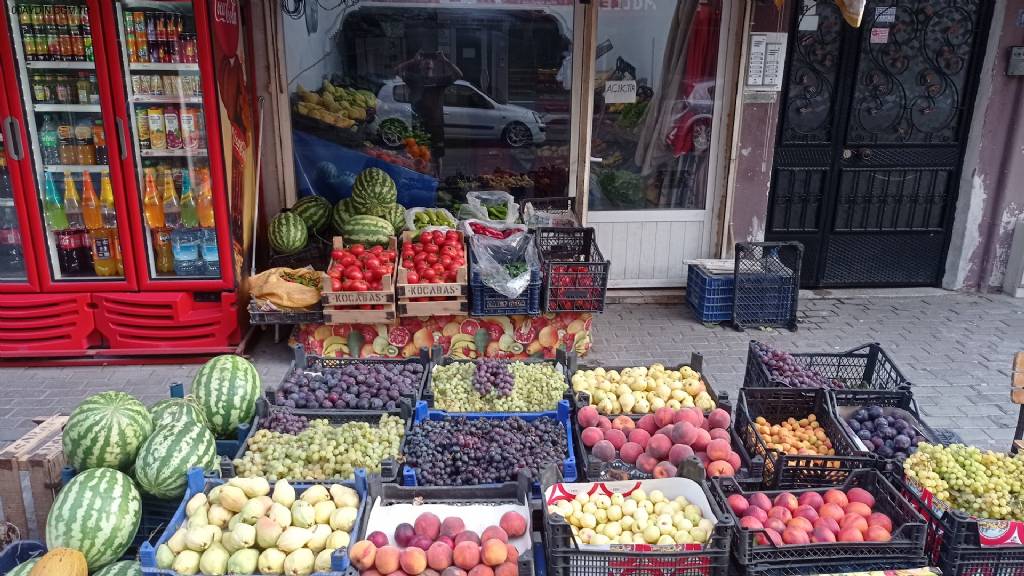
[[360, 284], [432, 274]]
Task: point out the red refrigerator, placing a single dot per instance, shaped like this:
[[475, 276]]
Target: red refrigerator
[[115, 231]]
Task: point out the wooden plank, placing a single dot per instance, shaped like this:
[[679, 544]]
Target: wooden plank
[[1017, 378], [10, 494], [346, 316], [1017, 395], [458, 307], [35, 438]]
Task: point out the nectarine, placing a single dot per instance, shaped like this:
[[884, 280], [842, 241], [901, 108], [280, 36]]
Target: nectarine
[[616, 437], [801, 523], [879, 519], [812, 499], [850, 535], [837, 497], [780, 512], [761, 500], [630, 451], [786, 500], [738, 504], [751, 523], [858, 508], [877, 534], [588, 416], [795, 536], [860, 495]]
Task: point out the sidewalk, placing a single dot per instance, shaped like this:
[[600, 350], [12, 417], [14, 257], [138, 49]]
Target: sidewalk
[[955, 348]]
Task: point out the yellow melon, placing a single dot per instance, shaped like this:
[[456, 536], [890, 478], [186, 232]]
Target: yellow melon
[[61, 562]]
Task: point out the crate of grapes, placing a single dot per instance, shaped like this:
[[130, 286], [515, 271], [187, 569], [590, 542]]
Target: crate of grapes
[[293, 445], [882, 422], [797, 435], [485, 448], [314, 384], [866, 367]]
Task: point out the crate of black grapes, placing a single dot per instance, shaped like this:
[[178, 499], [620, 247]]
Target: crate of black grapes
[[884, 423], [867, 367], [470, 449], [315, 386]]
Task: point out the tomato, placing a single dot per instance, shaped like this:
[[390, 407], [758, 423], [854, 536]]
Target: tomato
[[431, 248], [437, 280], [413, 278], [420, 257], [347, 260], [335, 285], [337, 254], [426, 238], [432, 259], [408, 264], [376, 285], [353, 273], [360, 285], [451, 276], [445, 260], [451, 235], [377, 249], [371, 262], [429, 274], [387, 269], [417, 247], [334, 273], [371, 274], [439, 269], [449, 250], [357, 249]]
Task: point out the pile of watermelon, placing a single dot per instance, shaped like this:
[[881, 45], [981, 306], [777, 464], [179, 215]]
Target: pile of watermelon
[[111, 437], [372, 215], [293, 228]]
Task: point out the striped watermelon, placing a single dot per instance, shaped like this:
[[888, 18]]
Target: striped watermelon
[[24, 568], [226, 388], [364, 229], [122, 568], [372, 191], [173, 410], [167, 455], [96, 513], [105, 431], [315, 211], [396, 215], [287, 233], [342, 211]]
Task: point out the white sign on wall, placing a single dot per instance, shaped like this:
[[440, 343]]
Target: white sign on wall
[[767, 61], [620, 92]]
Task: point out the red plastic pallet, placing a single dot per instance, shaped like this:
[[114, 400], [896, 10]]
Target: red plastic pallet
[[156, 322], [46, 324]]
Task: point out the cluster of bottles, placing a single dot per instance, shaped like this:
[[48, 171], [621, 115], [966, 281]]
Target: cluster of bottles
[[56, 33], [166, 85], [66, 140], [65, 88], [85, 229], [159, 37], [182, 225], [170, 128], [12, 259]]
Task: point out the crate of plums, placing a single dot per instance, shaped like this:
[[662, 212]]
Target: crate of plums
[[883, 423], [316, 386]]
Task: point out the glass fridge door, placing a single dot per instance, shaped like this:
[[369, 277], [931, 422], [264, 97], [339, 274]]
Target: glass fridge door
[[55, 49], [13, 268], [158, 47]]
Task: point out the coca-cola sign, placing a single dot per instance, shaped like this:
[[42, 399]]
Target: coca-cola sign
[[226, 17]]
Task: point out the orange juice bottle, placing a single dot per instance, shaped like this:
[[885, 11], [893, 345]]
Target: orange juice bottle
[[151, 202], [204, 204], [109, 214], [90, 204]]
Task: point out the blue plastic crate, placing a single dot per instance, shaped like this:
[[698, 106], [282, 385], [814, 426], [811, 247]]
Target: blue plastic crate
[[18, 552], [563, 415], [486, 301], [198, 483], [709, 295]]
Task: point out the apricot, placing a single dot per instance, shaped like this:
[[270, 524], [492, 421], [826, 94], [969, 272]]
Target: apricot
[[616, 437], [451, 526], [466, 555], [362, 554], [513, 524], [413, 560], [855, 521], [604, 450], [588, 416], [591, 436], [386, 561], [507, 569], [494, 552], [630, 451], [439, 556], [718, 450], [492, 532]]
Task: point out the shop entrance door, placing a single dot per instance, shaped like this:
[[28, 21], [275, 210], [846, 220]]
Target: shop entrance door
[[871, 138], [658, 89]]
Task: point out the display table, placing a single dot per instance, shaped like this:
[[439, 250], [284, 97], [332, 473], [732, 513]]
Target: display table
[[460, 337]]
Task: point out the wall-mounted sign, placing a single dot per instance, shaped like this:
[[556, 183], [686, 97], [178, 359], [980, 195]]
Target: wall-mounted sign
[[767, 61], [620, 92], [879, 35], [1016, 65]]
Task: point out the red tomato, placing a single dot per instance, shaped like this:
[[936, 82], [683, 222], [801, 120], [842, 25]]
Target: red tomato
[[437, 280], [335, 285], [360, 285], [371, 274], [449, 250], [420, 257], [426, 238], [375, 286], [371, 262], [408, 264], [353, 273], [445, 260], [387, 269], [431, 259], [357, 249], [439, 236], [451, 235], [439, 269], [451, 276], [428, 274], [377, 249], [431, 248], [334, 273], [417, 247], [347, 260], [337, 254], [413, 278]]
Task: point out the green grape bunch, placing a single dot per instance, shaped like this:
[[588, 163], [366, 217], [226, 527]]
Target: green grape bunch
[[981, 483], [537, 387]]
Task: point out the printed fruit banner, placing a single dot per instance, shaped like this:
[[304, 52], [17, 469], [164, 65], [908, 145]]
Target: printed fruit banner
[[508, 337]]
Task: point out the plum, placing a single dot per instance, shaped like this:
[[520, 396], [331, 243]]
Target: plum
[[881, 423], [864, 435], [874, 412], [854, 425], [901, 442], [860, 415]]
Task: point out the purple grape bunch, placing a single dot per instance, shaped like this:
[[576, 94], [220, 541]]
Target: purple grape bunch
[[784, 368], [493, 376], [284, 421], [891, 437], [352, 386]]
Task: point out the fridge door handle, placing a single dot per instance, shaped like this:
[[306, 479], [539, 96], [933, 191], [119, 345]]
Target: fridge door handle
[[12, 135], [121, 138]]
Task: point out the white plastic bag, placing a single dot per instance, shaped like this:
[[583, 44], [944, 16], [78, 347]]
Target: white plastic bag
[[477, 202], [410, 218], [467, 229], [491, 255], [535, 218]]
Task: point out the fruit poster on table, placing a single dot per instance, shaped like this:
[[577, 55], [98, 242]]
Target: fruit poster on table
[[460, 337]]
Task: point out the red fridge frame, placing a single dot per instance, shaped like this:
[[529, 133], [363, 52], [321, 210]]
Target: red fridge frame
[[38, 226], [31, 283], [214, 147]]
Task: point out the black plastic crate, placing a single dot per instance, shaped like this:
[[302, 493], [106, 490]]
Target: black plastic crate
[[575, 271], [566, 558], [272, 317], [797, 471], [903, 400], [908, 535], [767, 284], [314, 254], [866, 367], [836, 567]]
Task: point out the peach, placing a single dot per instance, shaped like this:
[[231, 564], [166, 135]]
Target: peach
[[720, 468], [858, 508], [665, 431], [447, 540], [719, 434], [678, 453], [604, 450], [370, 572], [761, 500], [616, 437], [829, 524], [855, 521], [751, 523], [812, 499], [836, 497], [757, 512], [664, 470], [830, 510], [648, 423], [659, 446], [823, 535], [692, 415], [630, 451], [588, 416], [781, 513], [861, 495], [454, 571], [738, 503], [700, 443], [795, 536], [734, 461], [718, 449], [664, 416], [775, 524], [467, 536], [428, 525], [513, 524], [428, 572], [806, 512], [877, 534], [639, 436], [362, 554], [879, 519], [801, 523], [507, 569], [466, 555], [451, 526], [481, 570], [513, 553], [719, 418], [386, 561], [413, 560], [786, 500], [624, 423], [683, 433], [421, 542], [439, 556], [703, 457], [494, 552], [769, 536], [591, 436], [850, 535], [604, 423], [646, 463], [494, 532]]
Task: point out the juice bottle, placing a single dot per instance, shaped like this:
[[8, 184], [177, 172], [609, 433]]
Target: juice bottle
[[54, 205], [77, 41], [172, 128], [109, 213], [83, 142], [142, 128], [157, 135], [28, 34], [189, 214], [204, 204], [72, 207], [189, 128], [86, 31], [90, 204], [162, 251], [172, 207], [152, 206], [129, 37], [99, 142], [66, 147]]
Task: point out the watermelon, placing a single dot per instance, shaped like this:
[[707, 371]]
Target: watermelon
[[122, 568], [173, 410], [315, 211], [342, 211], [226, 388], [105, 431], [167, 455], [365, 229], [24, 568], [96, 513], [396, 215], [373, 191], [287, 233]]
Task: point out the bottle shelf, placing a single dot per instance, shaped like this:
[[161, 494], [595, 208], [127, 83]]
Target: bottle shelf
[[176, 153], [167, 99], [49, 65], [66, 107], [166, 66], [61, 168]]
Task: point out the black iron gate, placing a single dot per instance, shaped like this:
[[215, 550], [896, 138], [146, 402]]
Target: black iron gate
[[871, 138]]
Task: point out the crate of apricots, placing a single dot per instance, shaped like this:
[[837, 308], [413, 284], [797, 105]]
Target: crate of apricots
[[798, 437]]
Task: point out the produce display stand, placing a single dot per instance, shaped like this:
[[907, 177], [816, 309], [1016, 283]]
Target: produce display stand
[[446, 299], [346, 307], [40, 454], [866, 367]]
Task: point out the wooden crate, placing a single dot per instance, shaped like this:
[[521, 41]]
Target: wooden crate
[[455, 294], [41, 455], [1017, 379], [345, 307]]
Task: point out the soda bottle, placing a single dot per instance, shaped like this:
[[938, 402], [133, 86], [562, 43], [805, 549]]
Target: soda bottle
[[72, 207], [83, 142], [66, 141], [129, 36], [12, 260], [162, 250], [189, 215], [211, 256], [53, 205], [90, 204], [28, 33], [49, 141], [99, 142], [151, 38], [152, 206], [172, 207], [109, 214], [204, 204], [75, 23], [86, 32]]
